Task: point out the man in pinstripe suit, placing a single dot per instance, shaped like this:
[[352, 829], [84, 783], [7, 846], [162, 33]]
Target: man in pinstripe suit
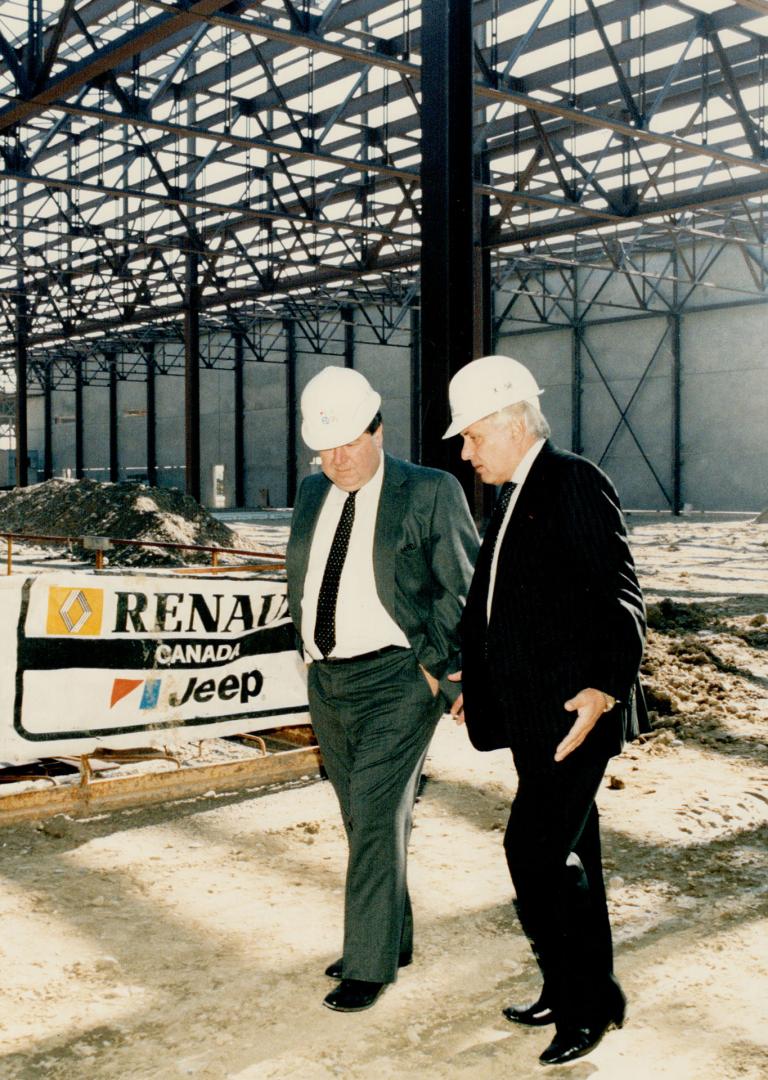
[[552, 639]]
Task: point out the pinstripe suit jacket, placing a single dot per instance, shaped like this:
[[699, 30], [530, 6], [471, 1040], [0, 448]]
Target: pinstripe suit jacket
[[567, 614]]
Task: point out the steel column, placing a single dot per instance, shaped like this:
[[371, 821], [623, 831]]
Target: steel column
[[239, 406], [48, 423], [192, 376], [415, 383], [481, 496], [79, 455], [291, 405], [447, 309], [348, 318], [677, 385], [483, 290], [22, 430], [577, 380], [151, 418], [114, 464]]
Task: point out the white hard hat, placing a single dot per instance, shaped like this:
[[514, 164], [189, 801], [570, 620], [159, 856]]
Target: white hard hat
[[487, 385], [337, 405]]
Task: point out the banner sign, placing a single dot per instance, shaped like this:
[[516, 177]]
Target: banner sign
[[106, 660]]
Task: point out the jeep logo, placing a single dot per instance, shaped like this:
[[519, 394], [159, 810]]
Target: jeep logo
[[245, 686]]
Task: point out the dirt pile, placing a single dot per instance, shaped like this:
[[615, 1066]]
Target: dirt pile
[[131, 511], [703, 672]]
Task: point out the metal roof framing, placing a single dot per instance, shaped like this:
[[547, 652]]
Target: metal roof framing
[[214, 163]]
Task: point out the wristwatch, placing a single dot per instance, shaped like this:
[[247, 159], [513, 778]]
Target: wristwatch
[[610, 701]]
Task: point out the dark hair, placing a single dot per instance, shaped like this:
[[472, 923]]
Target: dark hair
[[375, 424]]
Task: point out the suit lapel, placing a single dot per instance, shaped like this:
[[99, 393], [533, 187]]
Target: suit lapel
[[528, 502], [313, 497], [535, 481], [388, 520]]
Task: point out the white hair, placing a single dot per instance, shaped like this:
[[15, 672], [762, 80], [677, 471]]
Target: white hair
[[534, 419]]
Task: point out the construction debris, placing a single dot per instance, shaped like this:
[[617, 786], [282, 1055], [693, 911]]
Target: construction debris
[[125, 510]]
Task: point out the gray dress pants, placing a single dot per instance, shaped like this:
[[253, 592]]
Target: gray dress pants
[[374, 719]]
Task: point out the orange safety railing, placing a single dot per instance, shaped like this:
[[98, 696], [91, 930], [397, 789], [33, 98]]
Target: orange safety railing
[[100, 544]]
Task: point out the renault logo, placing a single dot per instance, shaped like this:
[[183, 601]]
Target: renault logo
[[74, 611]]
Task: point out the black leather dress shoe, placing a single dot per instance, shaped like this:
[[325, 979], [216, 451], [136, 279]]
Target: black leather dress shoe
[[353, 995], [335, 970], [536, 1015], [572, 1043]]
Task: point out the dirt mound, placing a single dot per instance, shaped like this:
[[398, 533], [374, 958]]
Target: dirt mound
[[672, 617], [762, 519], [703, 674], [129, 511]]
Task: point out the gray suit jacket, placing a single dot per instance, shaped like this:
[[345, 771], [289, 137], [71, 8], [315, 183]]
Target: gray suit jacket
[[424, 549]]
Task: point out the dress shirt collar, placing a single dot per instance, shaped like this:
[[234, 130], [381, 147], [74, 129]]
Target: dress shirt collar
[[524, 467]]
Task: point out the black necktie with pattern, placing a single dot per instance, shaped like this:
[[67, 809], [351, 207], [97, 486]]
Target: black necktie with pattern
[[325, 620], [482, 579], [497, 516]]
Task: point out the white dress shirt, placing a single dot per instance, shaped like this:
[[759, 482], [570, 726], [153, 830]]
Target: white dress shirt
[[518, 477], [362, 622]]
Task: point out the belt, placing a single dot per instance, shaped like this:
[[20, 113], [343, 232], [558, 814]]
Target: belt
[[373, 655]]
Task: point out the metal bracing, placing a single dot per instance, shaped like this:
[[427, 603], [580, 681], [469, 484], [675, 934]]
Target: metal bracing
[[673, 271], [624, 420], [280, 147]]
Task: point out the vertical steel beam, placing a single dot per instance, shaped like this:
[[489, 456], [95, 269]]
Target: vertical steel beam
[[239, 406], [291, 463], [114, 463], [577, 386], [676, 321], [34, 49], [22, 429], [79, 454], [481, 496], [677, 386], [192, 376], [415, 383], [348, 318], [151, 392], [447, 270], [48, 423], [21, 345], [483, 292], [577, 372]]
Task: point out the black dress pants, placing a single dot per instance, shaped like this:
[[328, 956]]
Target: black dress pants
[[552, 844], [374, 720]]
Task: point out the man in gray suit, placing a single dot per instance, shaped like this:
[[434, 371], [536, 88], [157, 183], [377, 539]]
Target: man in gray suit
[[379, 561]]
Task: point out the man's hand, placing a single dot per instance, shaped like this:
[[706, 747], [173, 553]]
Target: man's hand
[[457, 709], [589, 705]]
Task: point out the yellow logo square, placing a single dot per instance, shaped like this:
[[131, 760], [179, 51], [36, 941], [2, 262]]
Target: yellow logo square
[[74, 611]]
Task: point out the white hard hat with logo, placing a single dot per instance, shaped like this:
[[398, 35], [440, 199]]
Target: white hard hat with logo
[[487, 385], [337, 405]]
